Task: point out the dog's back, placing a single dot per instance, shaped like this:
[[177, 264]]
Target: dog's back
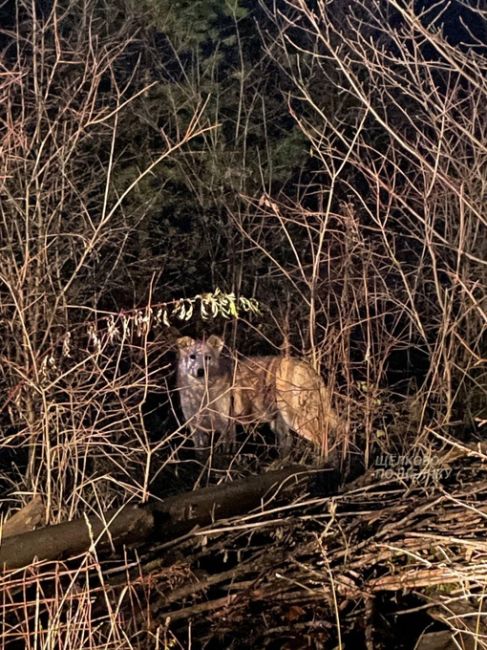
[[287, 393]]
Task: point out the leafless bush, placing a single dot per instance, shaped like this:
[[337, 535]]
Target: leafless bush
[[72, 395], [393, 265]]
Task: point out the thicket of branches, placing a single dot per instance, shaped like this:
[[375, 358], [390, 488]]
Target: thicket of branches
[[396, 247], [326, 159], [69, 394]]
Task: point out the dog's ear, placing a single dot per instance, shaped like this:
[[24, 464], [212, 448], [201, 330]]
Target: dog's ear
[[216, 343], [184, 342]]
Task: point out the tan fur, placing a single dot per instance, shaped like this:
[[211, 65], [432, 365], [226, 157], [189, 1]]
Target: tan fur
[[217, 393]]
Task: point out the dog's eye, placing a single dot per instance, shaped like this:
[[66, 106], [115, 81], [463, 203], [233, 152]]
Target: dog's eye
[[192, 356]]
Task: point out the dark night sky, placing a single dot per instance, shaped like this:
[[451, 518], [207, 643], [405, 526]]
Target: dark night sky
[[456, 16], [462, 25]]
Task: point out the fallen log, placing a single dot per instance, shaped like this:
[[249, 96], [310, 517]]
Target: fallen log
[[25, 519], [133, 524]]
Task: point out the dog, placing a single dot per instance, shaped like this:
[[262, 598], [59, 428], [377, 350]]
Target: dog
[[217, 393]]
